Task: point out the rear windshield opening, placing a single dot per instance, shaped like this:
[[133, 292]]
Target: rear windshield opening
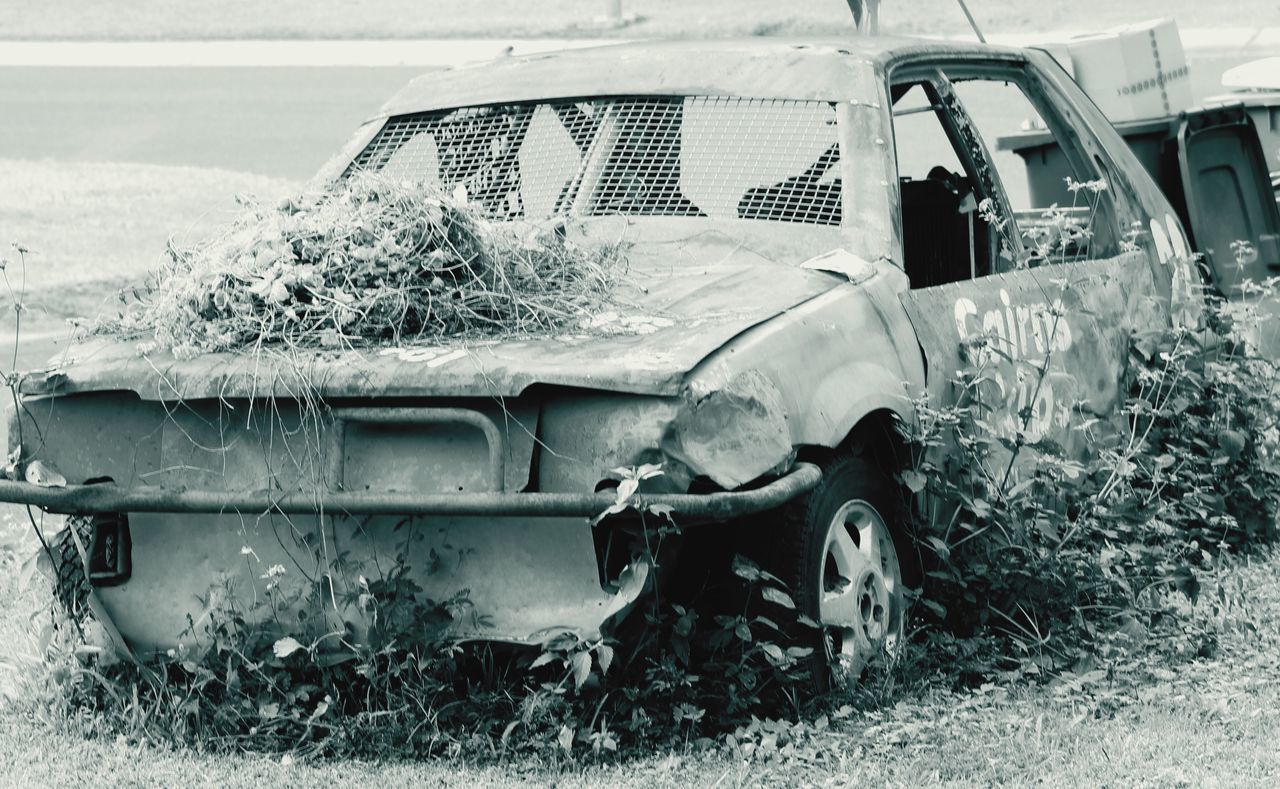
[[724, 158]]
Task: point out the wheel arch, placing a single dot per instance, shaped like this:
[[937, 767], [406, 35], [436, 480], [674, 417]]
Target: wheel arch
[[876, 434], [875, 431]]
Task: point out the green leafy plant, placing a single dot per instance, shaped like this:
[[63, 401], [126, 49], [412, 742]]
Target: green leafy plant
[[1037, 572], [369, 261]]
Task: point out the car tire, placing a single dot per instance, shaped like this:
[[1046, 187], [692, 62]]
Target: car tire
[[70, 583], [842, 549]]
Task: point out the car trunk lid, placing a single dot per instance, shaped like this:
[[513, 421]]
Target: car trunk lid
[[689, 288]]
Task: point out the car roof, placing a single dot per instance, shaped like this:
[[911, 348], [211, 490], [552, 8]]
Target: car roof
[[836, 69]]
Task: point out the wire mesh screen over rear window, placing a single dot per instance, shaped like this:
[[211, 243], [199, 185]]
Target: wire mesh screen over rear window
[[723, 158]]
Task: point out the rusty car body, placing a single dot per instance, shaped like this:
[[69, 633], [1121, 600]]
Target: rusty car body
[[789, 291]]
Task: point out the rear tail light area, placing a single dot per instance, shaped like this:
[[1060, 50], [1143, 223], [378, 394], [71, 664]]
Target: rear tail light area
[[110, 550]]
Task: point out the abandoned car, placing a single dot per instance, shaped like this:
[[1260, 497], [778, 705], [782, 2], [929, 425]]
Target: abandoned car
[[816, 235]]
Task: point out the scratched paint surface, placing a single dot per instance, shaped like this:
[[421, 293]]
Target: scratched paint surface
[[1073, 320]]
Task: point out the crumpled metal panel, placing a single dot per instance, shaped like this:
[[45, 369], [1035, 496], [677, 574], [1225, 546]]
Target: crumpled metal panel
[[689, 288], [236, 445], [1079, 315], [523, 580], [735, 434], [834, 359]]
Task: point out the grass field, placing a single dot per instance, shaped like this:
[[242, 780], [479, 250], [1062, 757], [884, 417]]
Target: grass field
[[159, 19], [93, 227]]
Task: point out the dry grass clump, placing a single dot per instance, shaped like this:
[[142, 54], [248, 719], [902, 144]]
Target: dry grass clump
[[371, 261]]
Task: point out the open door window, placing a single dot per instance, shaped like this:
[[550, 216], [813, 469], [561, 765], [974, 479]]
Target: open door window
[[946, 186], [1069, 220], [968, 211]]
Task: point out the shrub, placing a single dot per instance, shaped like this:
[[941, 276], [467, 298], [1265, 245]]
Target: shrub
[[1038, 571], [372, 260], [258, 678]]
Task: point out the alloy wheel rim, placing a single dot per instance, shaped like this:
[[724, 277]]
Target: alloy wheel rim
[[860, 604]]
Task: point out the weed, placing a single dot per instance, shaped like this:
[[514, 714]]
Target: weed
[[372, 260], [1045, 561]]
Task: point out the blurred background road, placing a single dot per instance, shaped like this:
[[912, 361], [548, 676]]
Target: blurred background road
[[277, 121]]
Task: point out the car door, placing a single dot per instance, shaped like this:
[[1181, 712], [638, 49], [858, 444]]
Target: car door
[[1023, 310]]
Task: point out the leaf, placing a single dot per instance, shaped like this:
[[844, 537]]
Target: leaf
[[649, 470], [623, 493], [662, 511], [743, 632], [581, 664], [941, 548], [807, 621], [542, 660], [11, 464], [44, 475], [28, 569], [745, 569], [937, 608], [278, 293], [565, 738], [914, 480], [767, 622], [613, 509], [1231, 443], [286, 647], [627, 489], [604, 656], [1049, 528], [777, 597], [1184, 580], [506, 733], [774, 653]]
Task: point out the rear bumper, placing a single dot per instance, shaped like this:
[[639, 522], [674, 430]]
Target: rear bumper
[[90, 499]]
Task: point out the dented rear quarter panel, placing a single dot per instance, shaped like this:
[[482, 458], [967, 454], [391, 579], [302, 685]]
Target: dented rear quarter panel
[[834, 359]]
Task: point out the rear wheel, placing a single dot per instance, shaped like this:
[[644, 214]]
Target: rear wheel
[[840, 549], [70, 584]]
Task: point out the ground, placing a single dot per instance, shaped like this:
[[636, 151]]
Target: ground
[[1202, 723], [161, 19]]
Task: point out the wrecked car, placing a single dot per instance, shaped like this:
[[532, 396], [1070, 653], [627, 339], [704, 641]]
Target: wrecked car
[[817, 234]]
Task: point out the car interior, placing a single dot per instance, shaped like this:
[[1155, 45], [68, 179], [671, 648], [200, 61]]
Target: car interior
[[944, 239]]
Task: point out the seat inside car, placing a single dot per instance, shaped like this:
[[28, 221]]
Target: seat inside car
[[943, 238]]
